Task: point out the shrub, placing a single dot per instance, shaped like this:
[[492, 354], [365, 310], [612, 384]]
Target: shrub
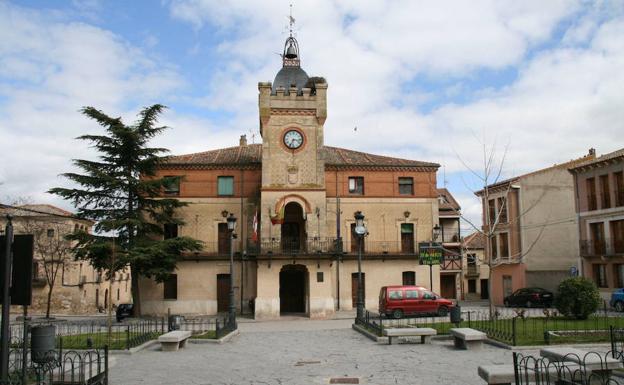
[[577, 297]]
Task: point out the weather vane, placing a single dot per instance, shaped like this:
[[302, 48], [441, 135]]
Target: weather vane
[[291, 21]]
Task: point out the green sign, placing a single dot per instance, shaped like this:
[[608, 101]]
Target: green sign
[[430, 254]]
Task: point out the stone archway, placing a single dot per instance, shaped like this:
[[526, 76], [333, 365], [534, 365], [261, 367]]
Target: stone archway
[[293, 289]]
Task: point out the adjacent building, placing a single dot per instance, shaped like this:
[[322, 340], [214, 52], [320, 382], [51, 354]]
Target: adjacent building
[[476, 271], [450, 236], [599, 193], [530, 225], [78, 288], [294, 198]]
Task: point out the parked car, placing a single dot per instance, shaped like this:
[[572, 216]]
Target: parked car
[[530, 297], [124, 310], [617, 300], [398, 301]]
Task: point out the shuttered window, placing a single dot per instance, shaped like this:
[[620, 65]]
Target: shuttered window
[[225, 185]]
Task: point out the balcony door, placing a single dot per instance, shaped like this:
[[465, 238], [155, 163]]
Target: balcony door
[[597, 238], [293, 228], [224, 239], [407, 238], [355, 240]]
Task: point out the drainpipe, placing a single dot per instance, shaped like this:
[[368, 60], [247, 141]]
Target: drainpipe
[[577, 208], [338, 243]]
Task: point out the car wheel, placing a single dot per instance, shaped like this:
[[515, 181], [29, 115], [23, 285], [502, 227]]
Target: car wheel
[[529, 304], [398, 313], [619, 306], [443, 311]]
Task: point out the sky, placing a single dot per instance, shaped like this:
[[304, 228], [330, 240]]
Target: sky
[[533, 82]]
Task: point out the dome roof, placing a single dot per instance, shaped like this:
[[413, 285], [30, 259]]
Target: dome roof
[[288, 76]]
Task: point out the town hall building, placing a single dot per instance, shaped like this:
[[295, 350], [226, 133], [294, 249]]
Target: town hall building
[[294, 198]]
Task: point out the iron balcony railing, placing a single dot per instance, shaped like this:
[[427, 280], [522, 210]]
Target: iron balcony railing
[[472, 270], [329, 245], [450, 237], [596, 248]]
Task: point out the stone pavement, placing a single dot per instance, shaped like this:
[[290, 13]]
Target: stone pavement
[[302, 351]]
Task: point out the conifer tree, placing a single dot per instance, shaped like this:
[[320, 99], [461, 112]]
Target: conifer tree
[[122, 194]]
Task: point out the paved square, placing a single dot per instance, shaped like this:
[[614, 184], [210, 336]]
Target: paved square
[[305, 352]]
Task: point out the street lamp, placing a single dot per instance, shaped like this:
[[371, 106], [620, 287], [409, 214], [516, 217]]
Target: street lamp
[[231, 224], [360, 231]]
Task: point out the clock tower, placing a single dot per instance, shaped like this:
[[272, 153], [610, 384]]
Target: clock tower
[[293, 110]]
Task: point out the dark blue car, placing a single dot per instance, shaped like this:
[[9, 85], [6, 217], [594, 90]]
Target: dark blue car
[[617, 300]]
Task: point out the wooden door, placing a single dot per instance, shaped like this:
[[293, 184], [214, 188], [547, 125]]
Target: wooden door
[[354, 289], [447, 286], [223, 292], [485, 293], [407, 238], [224, 239]]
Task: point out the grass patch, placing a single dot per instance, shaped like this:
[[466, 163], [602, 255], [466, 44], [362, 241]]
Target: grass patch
[[209, 335], [118, 340], [530, 331]]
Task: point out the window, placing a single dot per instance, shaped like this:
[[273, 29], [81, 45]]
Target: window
[[598, 246], [492, 210], [604, 191], [619, 188], [170, 230], [428, 295], [319, 276], [396, 294], [118, 295], [472, 286], [225, 185], [591, 194], [502, 210], [411, 294], [507, 285], [356, 185], [50, 233], [172, 185], [35, 270], [356, 240], [600, 275], [504, 245], [617, 233], [618, 271], [409, 278], [493, 248], [171, 287], [406, 186]]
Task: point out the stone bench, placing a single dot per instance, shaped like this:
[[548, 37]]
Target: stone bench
[[504, 374], [467, 338], [591, 362], [174, 340], [424, 333]]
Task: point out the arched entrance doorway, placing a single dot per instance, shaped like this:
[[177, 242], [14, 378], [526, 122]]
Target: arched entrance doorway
[[293, 289], [293, 228]]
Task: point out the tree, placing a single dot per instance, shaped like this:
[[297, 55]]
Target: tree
[[120, 193], [577, 297]]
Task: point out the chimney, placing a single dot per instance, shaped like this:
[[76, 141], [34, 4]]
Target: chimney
[[592, 152], [243, 140]]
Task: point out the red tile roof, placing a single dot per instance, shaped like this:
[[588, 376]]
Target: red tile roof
[[447, 204], [475, 240], [612, 156], [251, 155]]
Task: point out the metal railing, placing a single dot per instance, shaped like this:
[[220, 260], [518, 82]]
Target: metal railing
[[206, 327], [450, 237], [591, 248], [472, 270], [330, 246]]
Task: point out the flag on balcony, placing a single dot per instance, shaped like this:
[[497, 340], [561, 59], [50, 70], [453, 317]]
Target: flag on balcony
[[278, 218], [254, 226]]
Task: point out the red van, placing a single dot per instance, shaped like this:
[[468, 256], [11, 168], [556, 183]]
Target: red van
[[397, 301]]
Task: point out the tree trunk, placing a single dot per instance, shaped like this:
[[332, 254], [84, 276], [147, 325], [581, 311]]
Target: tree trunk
[[50, 287], [136, 297]]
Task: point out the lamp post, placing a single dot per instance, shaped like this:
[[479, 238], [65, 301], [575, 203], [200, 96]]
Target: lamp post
[[435, 233], [231, 223], [360, 231]]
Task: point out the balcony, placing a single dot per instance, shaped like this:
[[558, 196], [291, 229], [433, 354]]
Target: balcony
[[591, 248], [329, 246], [472, 271], [450, 237]]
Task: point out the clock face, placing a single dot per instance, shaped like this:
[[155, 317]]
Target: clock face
[[293, 139]]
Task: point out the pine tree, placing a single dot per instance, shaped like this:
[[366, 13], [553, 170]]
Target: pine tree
[[121, 193]]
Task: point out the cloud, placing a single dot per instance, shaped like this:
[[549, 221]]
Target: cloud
[[50, 68]]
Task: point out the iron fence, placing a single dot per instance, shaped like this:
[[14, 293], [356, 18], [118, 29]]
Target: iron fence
[[206, 327], [87, 367], [592, 368], [94, 334], [508, 326]]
